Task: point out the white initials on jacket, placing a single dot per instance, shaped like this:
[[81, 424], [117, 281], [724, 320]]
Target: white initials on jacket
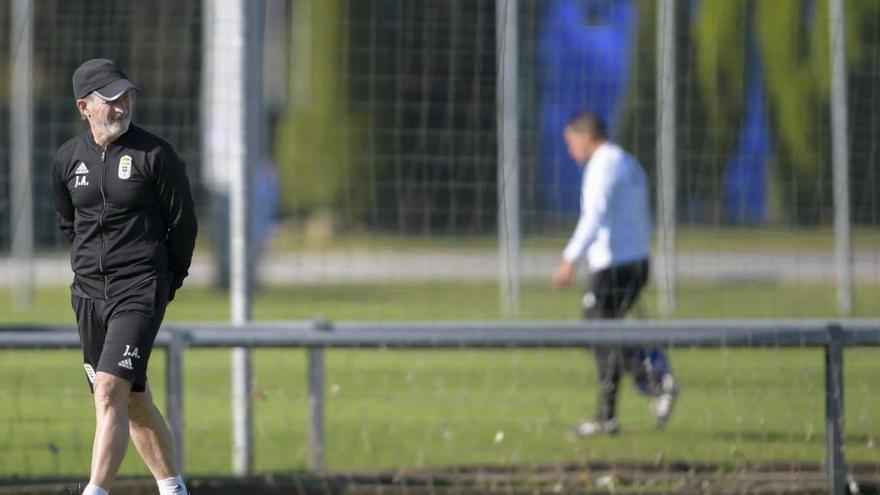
[[81, 179], [131, 352]]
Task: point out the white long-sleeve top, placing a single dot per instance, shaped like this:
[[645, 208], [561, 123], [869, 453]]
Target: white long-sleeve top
[[615, 221]]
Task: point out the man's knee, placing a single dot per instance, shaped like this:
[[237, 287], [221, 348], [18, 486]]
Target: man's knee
[[111, 390], [140, 403]]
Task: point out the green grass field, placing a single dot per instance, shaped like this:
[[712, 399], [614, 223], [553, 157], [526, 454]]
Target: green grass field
[[470, 300], [390, 408], [291, 236]]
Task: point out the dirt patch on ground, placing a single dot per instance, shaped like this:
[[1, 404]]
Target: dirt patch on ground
[[617, 478]]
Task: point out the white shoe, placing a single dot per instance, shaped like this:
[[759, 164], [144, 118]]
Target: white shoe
[[595, 427], [662, 404]]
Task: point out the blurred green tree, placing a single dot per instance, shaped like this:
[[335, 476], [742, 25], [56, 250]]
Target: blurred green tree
[[793, 41], [319, 136]]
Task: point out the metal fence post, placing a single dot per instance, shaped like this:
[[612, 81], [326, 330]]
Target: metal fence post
[[666, 156], [316, 408], [242, 411], [174, 394], [507, 42], [232, 69], [21, 140], [834, 461], [843, 257]]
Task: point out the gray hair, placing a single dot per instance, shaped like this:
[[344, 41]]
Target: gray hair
[[90, 96]]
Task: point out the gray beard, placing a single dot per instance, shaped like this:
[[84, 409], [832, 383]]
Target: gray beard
[[114, 129]]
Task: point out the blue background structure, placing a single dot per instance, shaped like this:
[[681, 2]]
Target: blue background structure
[[585, 51]]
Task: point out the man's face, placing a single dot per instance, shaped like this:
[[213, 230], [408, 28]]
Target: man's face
[[111, 118], [580, 145]]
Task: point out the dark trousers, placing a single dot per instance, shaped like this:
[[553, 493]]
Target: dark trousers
[[612, 292]]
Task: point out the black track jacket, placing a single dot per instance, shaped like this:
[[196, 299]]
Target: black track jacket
[[128, 212]]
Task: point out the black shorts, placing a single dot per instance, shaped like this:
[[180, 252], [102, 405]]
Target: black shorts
[[117, 334], [613, 291]]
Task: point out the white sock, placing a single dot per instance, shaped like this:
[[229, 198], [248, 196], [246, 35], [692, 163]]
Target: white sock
[[94, 490], [172, 486]]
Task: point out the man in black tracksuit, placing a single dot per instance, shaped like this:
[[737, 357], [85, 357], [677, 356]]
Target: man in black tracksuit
[[123, 199]]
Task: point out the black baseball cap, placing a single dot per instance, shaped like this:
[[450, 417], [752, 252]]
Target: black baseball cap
[[101, 76]]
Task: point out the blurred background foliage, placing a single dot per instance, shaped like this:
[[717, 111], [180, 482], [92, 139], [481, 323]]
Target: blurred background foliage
[[319, 142], [389, 122], [793, 42], [391, 125], [393, 152]]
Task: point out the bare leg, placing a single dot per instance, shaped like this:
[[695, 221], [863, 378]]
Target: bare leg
[[111, 429], [151, 435]]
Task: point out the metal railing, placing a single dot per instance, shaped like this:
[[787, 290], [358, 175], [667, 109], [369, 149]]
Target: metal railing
[[315, 336]]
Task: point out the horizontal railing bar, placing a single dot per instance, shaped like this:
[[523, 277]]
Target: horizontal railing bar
[[22, 339], [482, 334], [861, 333], [412, 336]]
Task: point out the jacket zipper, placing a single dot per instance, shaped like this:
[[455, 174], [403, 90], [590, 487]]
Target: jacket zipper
[[101, 222]]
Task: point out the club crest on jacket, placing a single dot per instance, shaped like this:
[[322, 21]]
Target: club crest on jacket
[[125, 167]]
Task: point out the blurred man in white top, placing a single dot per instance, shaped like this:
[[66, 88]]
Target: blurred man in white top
[[614, 232]]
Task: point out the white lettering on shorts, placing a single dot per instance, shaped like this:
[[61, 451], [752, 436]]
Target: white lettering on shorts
[[90, 372]]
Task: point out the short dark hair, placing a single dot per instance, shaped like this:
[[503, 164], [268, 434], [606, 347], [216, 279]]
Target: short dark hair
[[588, 122]]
